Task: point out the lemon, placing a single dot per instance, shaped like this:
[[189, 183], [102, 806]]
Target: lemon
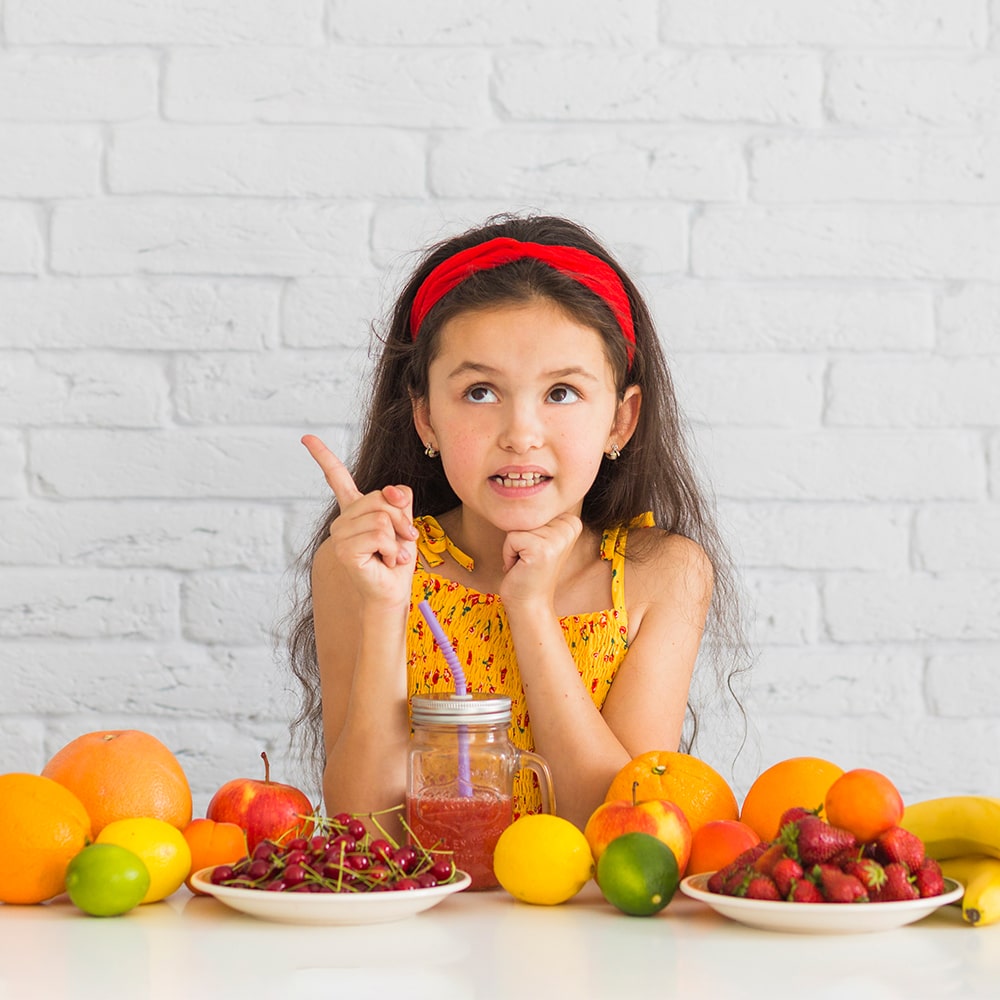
[[162, 848], [638, 873], [543, 859], [106, 880]]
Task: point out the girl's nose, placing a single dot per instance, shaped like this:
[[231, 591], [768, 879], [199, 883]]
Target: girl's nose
[[522, 429]]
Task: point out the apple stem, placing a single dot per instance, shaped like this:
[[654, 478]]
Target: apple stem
[[267, 767], [635, 788]]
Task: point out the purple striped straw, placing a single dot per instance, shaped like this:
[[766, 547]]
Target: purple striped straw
[[464, 774], [444, 645]]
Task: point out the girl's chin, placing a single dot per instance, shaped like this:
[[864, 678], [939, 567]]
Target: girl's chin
[[528, 519], [518, 513], [504, 519]]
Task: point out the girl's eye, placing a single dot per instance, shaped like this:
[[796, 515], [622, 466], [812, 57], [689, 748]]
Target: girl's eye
[[563, 394], [480, 394]]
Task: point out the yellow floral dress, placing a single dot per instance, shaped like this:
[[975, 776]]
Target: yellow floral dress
[[477, 625]]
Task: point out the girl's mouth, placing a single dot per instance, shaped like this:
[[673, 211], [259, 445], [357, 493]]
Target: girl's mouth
[[520, 480]]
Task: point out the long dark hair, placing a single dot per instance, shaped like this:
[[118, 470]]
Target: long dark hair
[[653, 473]]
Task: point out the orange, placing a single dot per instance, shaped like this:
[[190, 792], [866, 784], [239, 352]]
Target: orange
[[864, 802], [700, 791], [797, 781], [213, 844], [717, 843], [43, 826], [123, 774]]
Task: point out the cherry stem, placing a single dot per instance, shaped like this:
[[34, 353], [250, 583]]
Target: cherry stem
[[346, 878]]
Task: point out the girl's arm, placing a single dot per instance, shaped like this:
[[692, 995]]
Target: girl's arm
[[668, 591], [361, 649], [361, 579]]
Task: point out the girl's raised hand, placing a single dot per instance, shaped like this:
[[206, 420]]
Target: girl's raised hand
[[373, 538]]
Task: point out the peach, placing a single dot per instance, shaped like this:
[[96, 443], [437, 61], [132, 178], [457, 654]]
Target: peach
[[719, 842], [864, 802]]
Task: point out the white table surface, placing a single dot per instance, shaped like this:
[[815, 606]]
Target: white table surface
[[478, 946]]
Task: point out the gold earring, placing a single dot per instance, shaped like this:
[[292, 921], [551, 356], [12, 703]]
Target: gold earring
[[613, 452], [430, 451]]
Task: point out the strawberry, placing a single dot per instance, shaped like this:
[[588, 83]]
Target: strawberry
[[897, 844], [747, 857], [762, 887], [766, 862], [794, 814], [736, 884], [843, 858], [928, 878], [785, 874], [839, 887], [899, 884], [811, 841], [718, 879], [751, 854], [870, 873], [804, 891]]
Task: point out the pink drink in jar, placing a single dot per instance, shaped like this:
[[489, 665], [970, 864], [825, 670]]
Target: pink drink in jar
[[460, 777], [468, 826]]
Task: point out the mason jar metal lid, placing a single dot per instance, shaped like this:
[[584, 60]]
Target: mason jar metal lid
[[460, 709]]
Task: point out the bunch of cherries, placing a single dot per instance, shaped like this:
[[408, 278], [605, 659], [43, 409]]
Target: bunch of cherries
[[340, 856]]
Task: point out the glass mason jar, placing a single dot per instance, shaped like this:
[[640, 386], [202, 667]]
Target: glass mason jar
[[460, 777]]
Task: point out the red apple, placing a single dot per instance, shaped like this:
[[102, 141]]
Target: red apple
[[661, 818], [265, 810]]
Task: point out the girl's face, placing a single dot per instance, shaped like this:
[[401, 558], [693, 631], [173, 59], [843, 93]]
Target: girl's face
[[521, 404]]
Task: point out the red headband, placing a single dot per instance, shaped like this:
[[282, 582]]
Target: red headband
[[592, 272]]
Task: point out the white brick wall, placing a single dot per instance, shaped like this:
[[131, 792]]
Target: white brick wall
[[203, 204]]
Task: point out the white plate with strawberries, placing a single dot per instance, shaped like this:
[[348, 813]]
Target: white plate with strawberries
[[819, 918]]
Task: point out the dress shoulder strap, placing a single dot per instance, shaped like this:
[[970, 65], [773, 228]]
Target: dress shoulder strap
[[613, 543], [432, 542]]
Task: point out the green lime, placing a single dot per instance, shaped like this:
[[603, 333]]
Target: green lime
[[638, 874], [106, 880]]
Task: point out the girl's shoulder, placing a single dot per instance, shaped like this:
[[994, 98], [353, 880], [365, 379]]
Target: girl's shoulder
[[661, 561]]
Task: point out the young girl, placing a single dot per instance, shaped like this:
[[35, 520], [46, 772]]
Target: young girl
[[522, 467]]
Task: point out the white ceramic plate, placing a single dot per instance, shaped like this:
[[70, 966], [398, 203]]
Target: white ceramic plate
[[819, 918], [331, 908]]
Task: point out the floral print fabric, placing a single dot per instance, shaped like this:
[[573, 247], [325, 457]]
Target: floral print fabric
[[477, 626]]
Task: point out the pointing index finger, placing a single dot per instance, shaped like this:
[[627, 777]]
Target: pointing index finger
[[334, 471]]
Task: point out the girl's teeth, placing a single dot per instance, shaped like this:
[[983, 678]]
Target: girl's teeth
[[520, 481]]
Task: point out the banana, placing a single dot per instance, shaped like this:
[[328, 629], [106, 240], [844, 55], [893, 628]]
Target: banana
[[956, 826], [981, 877]]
